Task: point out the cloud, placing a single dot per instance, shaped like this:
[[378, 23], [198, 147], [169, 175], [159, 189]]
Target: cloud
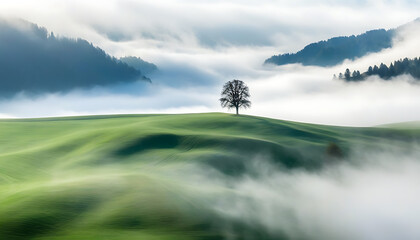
[[132, 98], [199, 45], [300, 93], [187, 24], [373, 195], [188, 82]]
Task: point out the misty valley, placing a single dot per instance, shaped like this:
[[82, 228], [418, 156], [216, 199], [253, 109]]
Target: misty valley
[[209, 120]]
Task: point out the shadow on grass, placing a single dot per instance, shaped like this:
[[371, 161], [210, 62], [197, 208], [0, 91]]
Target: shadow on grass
[[158, 141]]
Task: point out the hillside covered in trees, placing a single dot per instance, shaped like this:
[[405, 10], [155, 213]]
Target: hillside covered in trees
[[386, 72], [139, 64], [335, 50], [34, 60]]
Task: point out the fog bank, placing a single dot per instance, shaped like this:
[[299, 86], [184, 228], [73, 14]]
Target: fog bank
[[373, 195]]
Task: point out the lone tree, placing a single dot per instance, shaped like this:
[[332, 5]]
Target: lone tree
[[235, 94]]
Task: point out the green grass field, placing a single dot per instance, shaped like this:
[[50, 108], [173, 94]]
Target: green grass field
[[127, 176]]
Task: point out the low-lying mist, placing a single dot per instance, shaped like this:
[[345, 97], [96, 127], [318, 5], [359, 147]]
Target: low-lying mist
[[190, 81], [372, 195]]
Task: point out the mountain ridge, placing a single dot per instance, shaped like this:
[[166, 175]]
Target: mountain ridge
[[34, 60], [337, 49]]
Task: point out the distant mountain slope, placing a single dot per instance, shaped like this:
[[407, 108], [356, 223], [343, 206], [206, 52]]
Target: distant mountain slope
[[335, 50], [32, 60], [139, 64], [397, 68]]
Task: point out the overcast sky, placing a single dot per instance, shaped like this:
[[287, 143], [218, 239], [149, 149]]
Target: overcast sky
[[198, 45]]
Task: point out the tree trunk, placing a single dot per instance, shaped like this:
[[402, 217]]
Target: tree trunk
[[237, 111]]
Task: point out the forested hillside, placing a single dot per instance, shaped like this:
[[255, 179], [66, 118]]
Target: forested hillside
[[386, 72]]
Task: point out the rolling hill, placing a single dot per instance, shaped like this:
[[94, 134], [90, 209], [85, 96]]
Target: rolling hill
[[135, 176]]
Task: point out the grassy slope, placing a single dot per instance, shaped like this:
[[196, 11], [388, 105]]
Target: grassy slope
[[113, 177]]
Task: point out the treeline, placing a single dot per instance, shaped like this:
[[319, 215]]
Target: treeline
[[397, 68], [139, 64]]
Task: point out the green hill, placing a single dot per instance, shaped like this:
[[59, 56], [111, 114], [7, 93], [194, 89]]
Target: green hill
[[132, 176]]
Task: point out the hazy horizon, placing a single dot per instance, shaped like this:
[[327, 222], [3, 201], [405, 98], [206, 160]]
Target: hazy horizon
[[199, 45]]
